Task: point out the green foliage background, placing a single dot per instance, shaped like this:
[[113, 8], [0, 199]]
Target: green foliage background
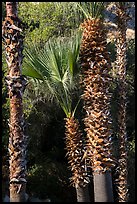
[[48, 173]]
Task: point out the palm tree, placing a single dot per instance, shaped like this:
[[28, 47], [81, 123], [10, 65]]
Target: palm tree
[[95, 65], [13, 40], [121, 46], [55, 67]]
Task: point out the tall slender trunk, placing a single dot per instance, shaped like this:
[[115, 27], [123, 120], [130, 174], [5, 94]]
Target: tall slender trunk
[[121, 71], [75, 153], [16, 84], [95, 63]]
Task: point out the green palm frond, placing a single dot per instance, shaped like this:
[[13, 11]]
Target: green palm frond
[[32, 66], [56, 65], [91, 9], [73, 53]]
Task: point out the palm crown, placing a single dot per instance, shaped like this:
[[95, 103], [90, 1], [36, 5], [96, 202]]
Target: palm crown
[[56, 65]]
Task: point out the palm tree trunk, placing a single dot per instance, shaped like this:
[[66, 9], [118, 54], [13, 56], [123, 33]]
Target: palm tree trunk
[[82, 193], [16, 84], [95, 81], [121, 70], [103, 187], [75, 153]]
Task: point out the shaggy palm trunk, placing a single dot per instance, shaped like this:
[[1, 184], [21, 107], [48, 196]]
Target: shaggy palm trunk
[[75, 153], [16, 83], [95, 65], [121, 70]]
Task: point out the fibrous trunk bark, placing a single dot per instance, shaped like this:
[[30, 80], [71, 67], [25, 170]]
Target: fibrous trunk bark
[[121, 45], [95, 80], [75, 154], [13, 40]]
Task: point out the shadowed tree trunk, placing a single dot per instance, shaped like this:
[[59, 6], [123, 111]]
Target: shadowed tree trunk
[[82, 193], [103, 187], [121, 46], [13, 41]]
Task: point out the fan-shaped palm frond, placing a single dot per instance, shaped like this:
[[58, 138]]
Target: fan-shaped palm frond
[[56, 65]]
